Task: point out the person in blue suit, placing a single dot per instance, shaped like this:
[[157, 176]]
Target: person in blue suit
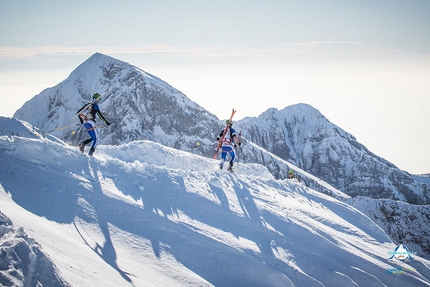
[[229, 142], [87, 117]]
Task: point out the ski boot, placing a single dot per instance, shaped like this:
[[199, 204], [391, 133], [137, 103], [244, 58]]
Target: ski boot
[[91, 151], [81, 147], [221, 165]]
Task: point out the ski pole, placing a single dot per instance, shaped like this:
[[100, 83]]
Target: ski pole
[[58, 129], [240, 149], [87, 130], [238, 156], [199, 144]]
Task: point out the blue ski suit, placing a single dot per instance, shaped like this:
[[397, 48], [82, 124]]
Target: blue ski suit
[[87, 117], [228, 145]]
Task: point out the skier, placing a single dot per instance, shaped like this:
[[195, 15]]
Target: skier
[[87, 117], [292, 175], [229, 142]]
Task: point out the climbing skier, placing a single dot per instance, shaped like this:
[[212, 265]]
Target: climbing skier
[[229, 142], [87, 117], [292, 175]]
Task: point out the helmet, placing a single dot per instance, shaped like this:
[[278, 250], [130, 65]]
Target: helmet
[[96, 96], [229, 122], [291, 171]]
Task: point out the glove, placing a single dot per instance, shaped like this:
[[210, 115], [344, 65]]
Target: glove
[[239, 144], [108, 123]]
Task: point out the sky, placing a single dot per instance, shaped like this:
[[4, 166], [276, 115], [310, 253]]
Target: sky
[[364, 65], [132, 211]]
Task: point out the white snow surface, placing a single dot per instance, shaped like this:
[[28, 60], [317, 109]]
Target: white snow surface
[[143, 214]]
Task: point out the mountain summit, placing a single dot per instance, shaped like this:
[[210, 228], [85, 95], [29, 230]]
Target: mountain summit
[[304, 137], [138, 104]]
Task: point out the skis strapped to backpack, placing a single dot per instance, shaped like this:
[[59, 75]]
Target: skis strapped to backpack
[[66, 125], [85, 113], [223, 134]]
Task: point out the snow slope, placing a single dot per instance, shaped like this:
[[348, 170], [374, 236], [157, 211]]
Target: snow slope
[[142, 214]]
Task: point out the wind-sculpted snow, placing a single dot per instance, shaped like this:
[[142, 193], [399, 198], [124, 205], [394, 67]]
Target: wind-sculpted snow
[[22, 263], [134, 211]]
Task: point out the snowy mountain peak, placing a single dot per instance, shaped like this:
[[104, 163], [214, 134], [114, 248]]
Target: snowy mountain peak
[[300, 110], [100, 67], [137, 104], [301, 135]]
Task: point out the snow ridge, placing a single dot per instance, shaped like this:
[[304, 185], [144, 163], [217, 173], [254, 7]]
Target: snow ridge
[[134, 210]]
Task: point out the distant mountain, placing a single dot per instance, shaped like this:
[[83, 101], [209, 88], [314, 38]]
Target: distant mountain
[[304, 137]]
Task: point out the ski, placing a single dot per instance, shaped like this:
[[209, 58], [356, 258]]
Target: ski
[[60, 128], [66, 125], [223, 134], [90, 129]]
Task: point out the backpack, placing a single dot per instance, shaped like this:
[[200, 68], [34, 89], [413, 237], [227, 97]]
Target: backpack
[[229, 139], [86, 114]]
